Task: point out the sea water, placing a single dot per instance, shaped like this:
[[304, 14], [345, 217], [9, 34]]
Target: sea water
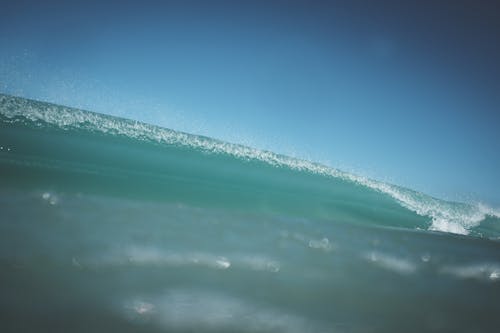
[[108, 224]]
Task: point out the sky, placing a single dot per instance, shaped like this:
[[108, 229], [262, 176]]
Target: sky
[[401, 91]]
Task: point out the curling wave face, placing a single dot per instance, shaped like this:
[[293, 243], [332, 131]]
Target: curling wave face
[[46, 121]]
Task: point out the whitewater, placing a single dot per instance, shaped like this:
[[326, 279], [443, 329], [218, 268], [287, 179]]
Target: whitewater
[[113, 224]]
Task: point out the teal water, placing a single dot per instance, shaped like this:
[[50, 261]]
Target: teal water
[[108, 224]]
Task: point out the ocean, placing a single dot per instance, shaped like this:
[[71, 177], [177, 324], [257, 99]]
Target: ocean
[[113, 225]]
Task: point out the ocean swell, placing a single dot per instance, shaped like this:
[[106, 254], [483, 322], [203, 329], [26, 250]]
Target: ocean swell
[[444, 216]]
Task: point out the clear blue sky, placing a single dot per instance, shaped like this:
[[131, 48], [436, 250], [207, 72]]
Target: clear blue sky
[[405, 91]]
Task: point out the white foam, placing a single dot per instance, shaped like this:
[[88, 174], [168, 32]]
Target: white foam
[[196, 310], [257, 263], [391, 263], [223, 263], [141, 307], [151, 256], [441, 224], [51, 198], [482, 271], [154, 256], [321, 244], [445, 216], [426, 257]]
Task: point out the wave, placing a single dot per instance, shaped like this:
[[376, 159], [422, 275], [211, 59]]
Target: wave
[[351, 197]]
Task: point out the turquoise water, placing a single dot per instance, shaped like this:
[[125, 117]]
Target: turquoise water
[[108, 224]]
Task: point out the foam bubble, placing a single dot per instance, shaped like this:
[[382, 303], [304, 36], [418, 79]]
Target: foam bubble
[[257, 263], [441, 224], [398, 265], [426, 257], [155, 256], [482, 272], [321, 244], [223, 263], [195, 310], [141, 307], [137, 255], [51, 198], [139, 310]]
